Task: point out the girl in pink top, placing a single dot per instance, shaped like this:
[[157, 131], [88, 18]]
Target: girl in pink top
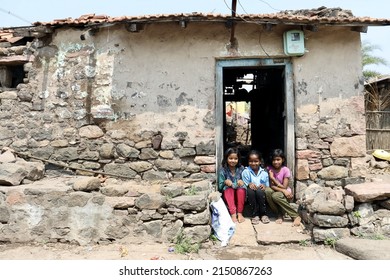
[[280, 194]]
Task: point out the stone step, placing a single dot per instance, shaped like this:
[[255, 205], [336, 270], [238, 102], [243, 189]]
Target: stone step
[[273, 233], [247, 234], [244, 234]]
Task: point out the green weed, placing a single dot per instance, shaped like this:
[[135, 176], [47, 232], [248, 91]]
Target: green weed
[[330, 241], [213, 237], [378, 237], [192, 191], [357, 214], [303, 243], [183, 245]]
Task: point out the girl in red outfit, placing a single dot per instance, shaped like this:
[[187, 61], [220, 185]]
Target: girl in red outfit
[[231, 185]]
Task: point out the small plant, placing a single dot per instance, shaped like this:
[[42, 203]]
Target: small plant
[[192, 191], [357, 214], [303, 243], [183, 245], [330, 241], [213, 238], [378, 237]]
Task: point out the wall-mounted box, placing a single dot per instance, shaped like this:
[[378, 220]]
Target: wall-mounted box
[[294, 43]]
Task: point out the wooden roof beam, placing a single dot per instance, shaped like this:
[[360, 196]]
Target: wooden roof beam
[[361, 29]]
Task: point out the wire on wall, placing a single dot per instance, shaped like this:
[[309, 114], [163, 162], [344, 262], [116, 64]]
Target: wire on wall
[[251, 21]]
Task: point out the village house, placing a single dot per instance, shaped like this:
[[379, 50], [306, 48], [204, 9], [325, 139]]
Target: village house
[[159, 98]]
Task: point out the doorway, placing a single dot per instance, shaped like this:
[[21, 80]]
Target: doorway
[[255, 108]]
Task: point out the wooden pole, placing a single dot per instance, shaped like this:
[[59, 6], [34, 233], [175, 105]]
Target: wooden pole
[[232, 30]]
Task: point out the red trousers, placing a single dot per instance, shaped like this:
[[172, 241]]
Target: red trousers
[[235, 199]]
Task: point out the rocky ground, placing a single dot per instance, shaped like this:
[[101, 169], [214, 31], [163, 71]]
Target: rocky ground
[[160, 251]]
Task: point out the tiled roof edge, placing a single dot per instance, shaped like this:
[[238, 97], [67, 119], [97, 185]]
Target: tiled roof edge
[[278, 18]]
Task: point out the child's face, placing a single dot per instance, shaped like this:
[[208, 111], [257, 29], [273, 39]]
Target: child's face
[[277, 162], [254, 162], [232, 160]]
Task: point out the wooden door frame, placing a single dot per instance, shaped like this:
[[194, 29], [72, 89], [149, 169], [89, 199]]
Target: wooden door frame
[[289, 141]]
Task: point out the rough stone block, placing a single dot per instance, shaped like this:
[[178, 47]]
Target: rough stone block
[[172, 190], [330, 207], [329, 221], [302, 169], [4, 214], [349, 203], [352, 181], [91, 132], [120, 202], [87, 184], [202, 218], [189, 202], [333, 172], [12, 174], [320, 234], [366, 192], [150, 201], [349, 146], [197, 234], [306, 154]]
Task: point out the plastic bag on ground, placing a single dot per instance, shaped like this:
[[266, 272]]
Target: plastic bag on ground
[[221, 222]]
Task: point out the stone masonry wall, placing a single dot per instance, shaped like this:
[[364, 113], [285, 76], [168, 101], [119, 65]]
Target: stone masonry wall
[[84, 210], [54, 116], [331, 165], [76, 107]]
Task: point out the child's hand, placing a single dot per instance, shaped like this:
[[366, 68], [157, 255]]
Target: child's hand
[[287, 194], [240, 183], [252, 186], [228, 183], [262, 187], [271, 175]]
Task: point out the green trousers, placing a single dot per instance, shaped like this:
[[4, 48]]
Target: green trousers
[[279, 203]]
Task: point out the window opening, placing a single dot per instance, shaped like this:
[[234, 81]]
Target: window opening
[[11, 75]]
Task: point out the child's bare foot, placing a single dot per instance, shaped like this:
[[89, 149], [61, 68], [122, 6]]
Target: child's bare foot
[[297, 221], [234, 218], [279, 220], [241, 218]]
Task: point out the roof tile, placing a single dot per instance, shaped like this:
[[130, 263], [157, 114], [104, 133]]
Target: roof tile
[[322, 15]]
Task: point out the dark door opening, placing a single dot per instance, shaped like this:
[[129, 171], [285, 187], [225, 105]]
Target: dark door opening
[[254, 109]]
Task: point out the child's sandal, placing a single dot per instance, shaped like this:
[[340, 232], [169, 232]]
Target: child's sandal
[[255, 220], [265, 219]]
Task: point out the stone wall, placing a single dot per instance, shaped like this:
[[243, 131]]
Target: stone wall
[[85, 210], [359, 207], [77, 107]]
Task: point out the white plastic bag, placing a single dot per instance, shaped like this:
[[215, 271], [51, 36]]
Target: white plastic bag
[[221, 222]]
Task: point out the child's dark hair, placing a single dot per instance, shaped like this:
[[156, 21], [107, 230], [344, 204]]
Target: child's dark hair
[[277, 153], [258, 154], [230, 151]]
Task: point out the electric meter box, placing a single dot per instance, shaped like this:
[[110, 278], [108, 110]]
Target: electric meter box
[[294, 43]]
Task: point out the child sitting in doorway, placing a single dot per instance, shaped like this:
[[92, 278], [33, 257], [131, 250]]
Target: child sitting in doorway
[[231, 185], [256, 179], [280, 194]]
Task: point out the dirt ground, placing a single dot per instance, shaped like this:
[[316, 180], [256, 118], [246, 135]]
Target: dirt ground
[[160, 251]]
